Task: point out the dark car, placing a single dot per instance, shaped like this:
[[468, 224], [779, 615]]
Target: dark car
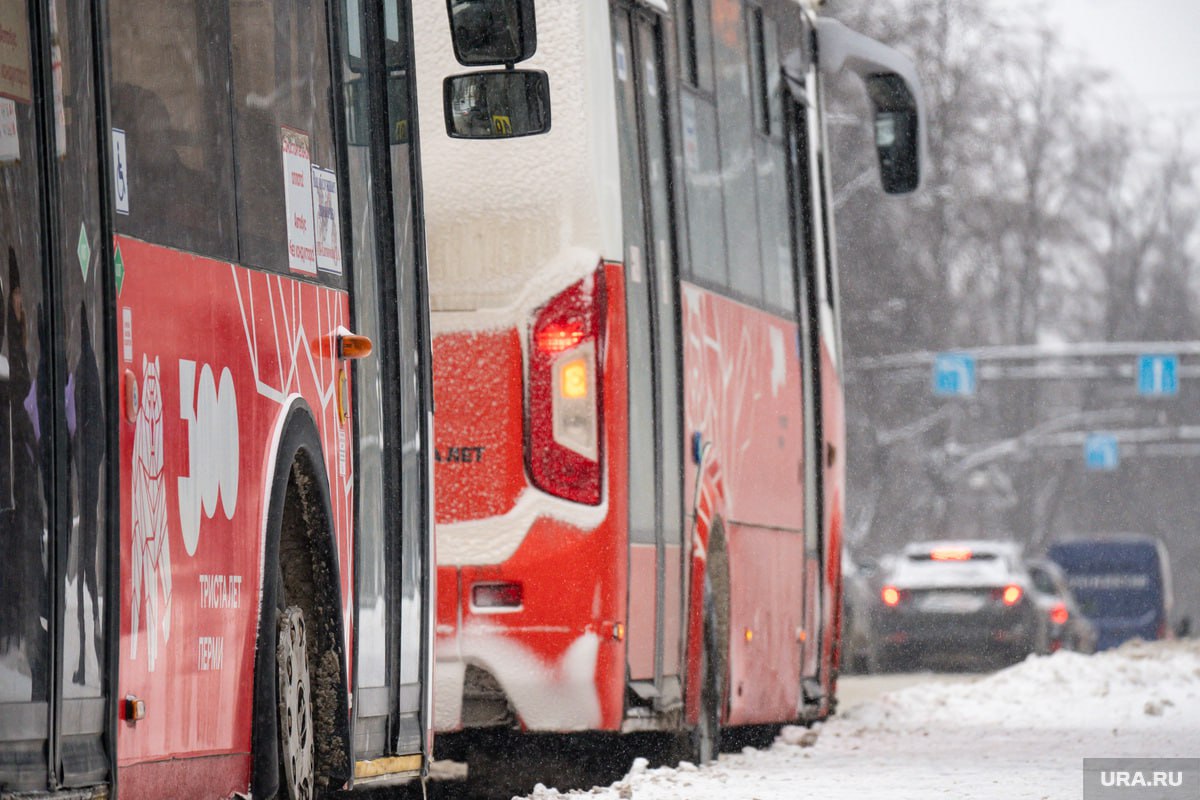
[[957, 602], [1122, 583], [1067, 627]]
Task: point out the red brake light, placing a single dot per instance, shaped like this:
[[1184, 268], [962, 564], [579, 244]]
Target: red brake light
[[891, 596], [1059, 614], [1011, 594], [497, 595], [555, 338], [563, 420], [950, 554]]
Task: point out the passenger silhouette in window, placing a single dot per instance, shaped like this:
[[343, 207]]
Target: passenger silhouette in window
[[85, 423], [24, 523]]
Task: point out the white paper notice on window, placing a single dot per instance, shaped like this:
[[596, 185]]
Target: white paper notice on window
[[691, 144], [120, 171], [634, 267], [298, 198], [10, 143], [329, 234]]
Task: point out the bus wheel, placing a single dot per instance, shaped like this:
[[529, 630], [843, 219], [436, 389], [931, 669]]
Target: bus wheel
[[705, 737], [295, 711]]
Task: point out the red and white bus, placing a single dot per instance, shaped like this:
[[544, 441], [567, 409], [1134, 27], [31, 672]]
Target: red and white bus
[[639, 451], [214, 439]]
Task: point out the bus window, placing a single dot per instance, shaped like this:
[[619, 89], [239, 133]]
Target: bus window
[[702, 189], [281, 80], [737, 148], [170, 73]]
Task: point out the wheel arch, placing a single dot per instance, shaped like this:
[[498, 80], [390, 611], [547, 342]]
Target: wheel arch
[[298, 535]]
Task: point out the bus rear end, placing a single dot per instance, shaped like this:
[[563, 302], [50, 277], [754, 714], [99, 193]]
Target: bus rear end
[[529, 375], [1122, 584], [527, 586]]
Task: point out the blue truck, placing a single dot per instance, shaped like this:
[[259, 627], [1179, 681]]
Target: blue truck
[[1122, 583]]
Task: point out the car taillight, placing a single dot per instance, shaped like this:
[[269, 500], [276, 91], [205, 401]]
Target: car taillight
[[1010, 595], [950, 554], [563, 414], [1059, 614], [892, 596]]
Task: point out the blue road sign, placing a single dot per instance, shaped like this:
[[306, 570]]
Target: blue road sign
[[1158, 374], [1101, 452], [954, 375]]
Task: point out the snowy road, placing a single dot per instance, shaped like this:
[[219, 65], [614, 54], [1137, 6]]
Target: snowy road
[[1018, 733]]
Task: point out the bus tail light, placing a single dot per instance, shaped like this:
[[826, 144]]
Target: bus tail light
[[563, 414]]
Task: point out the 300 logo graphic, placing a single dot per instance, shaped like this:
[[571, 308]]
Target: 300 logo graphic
[[210, 411]]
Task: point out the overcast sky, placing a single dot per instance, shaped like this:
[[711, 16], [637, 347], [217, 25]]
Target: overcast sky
[[1151, 46]]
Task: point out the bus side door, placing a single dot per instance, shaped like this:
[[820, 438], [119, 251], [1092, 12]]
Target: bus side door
[[55, 718], [655, 459]]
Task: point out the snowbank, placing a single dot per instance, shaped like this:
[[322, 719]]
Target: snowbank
[[1019, 733], [1130, 686]]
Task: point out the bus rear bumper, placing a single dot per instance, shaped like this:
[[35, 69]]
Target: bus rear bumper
[[487, 679]]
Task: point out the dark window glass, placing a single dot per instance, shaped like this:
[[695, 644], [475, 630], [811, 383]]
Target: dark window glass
[[640, 264], [774, 236], [731, 58], [695, 35], [702, 188], [758, 72], [24, 587], [170, 85], [685, 32], [408, 311], [773, 77], [281, 77], [80, 290]]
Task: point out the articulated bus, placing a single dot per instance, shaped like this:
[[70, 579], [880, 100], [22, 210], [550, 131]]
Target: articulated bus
[[640, 443], [215, 495]]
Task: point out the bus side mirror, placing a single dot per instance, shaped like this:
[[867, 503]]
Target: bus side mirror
[[497, 104], [357, 117], [895, 93], [492, 33], [896, 135]]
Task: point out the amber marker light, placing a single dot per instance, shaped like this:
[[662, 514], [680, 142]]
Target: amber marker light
[[343, 396], [1011, 595], [574, 380], [351, 346]]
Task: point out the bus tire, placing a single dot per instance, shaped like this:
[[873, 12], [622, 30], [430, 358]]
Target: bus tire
[[294, 690], [705, 736], [299, 623]]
